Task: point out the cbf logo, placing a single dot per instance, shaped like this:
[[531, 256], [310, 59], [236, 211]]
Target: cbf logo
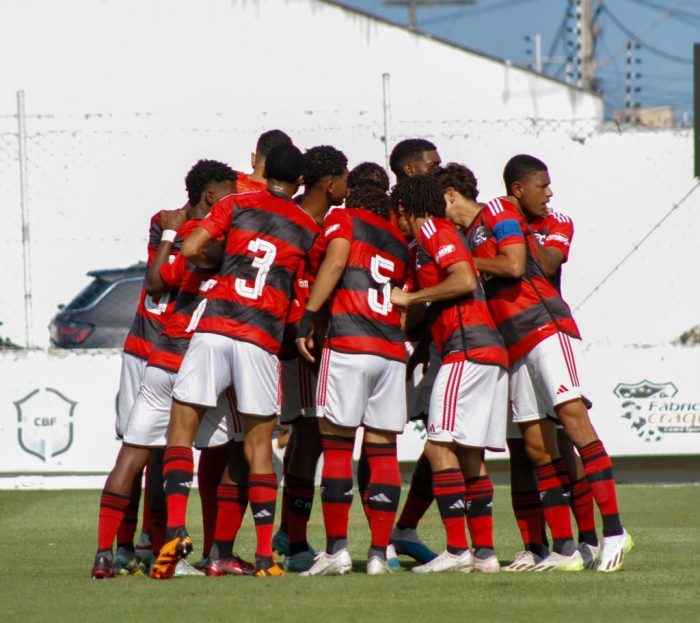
[[44, 423], [652, 411]]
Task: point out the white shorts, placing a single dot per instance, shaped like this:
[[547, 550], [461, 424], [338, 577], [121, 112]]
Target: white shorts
[[469, 405], [544, 378], [298, 390], [150, 417], [133, 369], [215, 362], [420, 386], [355, 389]]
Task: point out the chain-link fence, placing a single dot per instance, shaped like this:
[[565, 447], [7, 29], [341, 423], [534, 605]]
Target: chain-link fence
[[94, 180]]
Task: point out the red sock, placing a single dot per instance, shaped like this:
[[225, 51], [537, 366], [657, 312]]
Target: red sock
[[420, 495], [336, 488], [529, 517], [262, 494], [479, 498], [383, 491], [555, 502], [448, 489], [178, 471], [599, 473], [584, 512], [231, 504], [299, 501], [112, 509], [212, 462]]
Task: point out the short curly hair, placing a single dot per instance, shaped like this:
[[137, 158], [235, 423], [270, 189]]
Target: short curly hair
[[421, 196], [369, 197], [204, 173], [322, 161], [459, 177], [368, 174]]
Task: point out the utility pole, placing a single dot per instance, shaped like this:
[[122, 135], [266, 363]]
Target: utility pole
[[586, 35], [413, 5], [631, 75]]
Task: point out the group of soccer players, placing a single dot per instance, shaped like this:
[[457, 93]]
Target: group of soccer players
[[353, 305]]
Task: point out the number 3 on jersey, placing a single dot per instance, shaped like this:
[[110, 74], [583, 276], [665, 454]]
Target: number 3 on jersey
[[262, 263], [376, 265]]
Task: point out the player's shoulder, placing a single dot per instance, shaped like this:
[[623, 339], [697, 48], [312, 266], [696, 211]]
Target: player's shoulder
[[501, 207], [558, 217]]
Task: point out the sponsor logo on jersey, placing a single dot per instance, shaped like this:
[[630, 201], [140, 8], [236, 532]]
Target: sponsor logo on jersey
[[654, 410], [331, 229], [45, 423], [557, 238], [443, 251], [479, 236]]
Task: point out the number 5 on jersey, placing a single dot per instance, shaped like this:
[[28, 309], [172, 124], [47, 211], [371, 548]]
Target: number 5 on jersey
[[376, 265]]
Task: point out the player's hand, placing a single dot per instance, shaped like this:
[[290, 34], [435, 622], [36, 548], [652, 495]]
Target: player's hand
[[400, 298], [173, 219], [305, 346]]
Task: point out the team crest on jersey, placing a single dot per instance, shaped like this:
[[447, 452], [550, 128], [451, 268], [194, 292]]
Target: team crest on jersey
[[654, 410], [479, 236], [44, 423]]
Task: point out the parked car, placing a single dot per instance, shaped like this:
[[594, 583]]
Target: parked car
[[101, 315]]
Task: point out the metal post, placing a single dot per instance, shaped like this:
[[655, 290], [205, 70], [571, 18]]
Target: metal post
[[26, 257], [387, 118], [538, 53]]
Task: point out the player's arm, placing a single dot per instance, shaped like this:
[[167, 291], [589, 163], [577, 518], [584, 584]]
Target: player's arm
[[329, 274], [508, 262], [170, 221], [199, 246], [549, 258], [460, 280]]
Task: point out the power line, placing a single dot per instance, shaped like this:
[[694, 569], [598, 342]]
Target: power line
[[639, 244], [681, 16], [637, 36], [472, 12]]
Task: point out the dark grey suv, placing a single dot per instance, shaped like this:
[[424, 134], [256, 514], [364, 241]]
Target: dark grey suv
[[101, 315]]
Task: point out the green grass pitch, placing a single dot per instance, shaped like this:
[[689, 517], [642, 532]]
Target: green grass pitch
[[47, 541]]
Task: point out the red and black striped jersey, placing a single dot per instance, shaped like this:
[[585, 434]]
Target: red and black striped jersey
[[462, 328], [362, 318], [153, 312], [526, 309], [267, 238], [554, 231]]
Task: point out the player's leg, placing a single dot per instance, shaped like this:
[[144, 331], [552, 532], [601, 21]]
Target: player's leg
[[341, 397], [384, 418], [113, 505], [559, 380], [598, 467], [211, 466], [480, 423], [527, 508], [581, 501], [420, 493]]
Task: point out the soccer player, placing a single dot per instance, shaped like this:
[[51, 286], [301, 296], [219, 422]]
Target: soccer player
[[362, 374], [409, 158], [206, 183], [527, 180], [325, 185], [256, 180], [543, 341], [214, 460], [468, 402], [236, 342]]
